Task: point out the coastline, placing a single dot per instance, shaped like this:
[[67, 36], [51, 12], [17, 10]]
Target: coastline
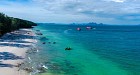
[[13, 48]]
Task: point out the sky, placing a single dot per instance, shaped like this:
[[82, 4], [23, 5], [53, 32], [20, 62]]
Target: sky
[[118, 12]]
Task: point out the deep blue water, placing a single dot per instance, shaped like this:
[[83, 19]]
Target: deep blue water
[[103, 50]]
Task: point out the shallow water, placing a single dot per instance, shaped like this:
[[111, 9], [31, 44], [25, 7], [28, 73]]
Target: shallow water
[[104, 50]]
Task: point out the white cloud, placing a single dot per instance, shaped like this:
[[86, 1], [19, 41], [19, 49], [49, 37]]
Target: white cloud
[[106, 11], [89, 6], [109, 9], [120, 1]]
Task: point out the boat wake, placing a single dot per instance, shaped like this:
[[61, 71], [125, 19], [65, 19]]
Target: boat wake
[[67, 31]]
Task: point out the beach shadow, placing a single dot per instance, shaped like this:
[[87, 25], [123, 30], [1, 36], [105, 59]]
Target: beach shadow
[[20, 41], [9, 56], [14, 45], [16, 39], [20, 34], [6, 65]]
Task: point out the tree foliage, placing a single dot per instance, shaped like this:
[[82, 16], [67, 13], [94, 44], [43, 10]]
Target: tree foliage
[[8, 24]]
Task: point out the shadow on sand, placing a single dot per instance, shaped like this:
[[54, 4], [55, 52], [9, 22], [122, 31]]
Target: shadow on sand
[[8, 56], [13, 39], [16, 39], [6, 65], [14, 45]]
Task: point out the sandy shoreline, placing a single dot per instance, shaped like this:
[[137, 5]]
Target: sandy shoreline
[[13, 47]]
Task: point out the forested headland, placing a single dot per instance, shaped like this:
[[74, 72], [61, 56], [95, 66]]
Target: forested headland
[[8, 24]]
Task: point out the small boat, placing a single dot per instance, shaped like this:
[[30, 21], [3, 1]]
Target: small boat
[[88, 27], [68, 48]]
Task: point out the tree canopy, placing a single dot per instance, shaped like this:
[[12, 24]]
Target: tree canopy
[[8, 24]]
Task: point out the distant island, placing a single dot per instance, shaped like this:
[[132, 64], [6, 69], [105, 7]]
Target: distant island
[[87, 24], [90, 23], [8, 24]]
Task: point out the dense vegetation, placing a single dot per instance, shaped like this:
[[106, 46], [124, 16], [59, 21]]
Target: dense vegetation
[[8, 24]]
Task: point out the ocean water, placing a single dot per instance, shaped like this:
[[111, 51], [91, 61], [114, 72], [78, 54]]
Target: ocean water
[[103, 50]]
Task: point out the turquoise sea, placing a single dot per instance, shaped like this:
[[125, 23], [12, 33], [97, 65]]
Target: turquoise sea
[[103, 50]]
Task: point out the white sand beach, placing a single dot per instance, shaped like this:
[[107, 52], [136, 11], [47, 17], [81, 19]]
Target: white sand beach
[[13, 47]]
